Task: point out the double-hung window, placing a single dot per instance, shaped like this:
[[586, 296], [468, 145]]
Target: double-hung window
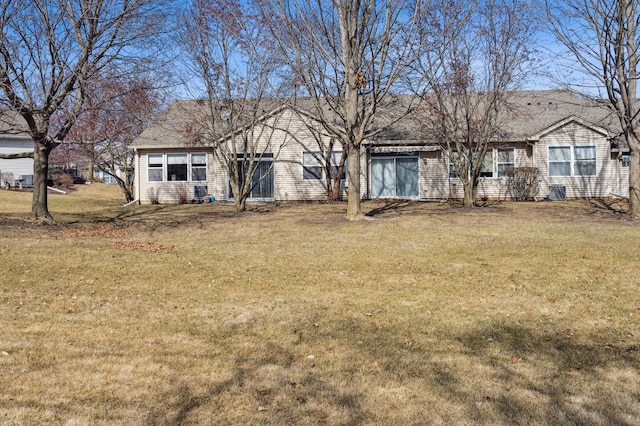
[[506, 161], [198, 167], [155, 169], [486, 168], [572, 161], [584, 161], [312, 166], [311, 169]]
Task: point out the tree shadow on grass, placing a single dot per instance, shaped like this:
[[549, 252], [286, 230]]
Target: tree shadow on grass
[[573, 378], [499, 373]]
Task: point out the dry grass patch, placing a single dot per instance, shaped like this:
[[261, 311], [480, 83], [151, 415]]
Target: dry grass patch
[[428, 314]]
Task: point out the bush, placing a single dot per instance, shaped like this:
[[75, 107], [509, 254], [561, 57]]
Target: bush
[[63, 180], [522, 183], [181, 192], [154, 195]]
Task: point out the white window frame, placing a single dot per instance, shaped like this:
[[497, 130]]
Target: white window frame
[[314, 156], [572, 161], [155, 166], [197, 166], [482, 175], [510, 164], [310, 160]]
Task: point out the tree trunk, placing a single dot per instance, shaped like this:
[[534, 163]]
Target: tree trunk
[[469, 194], [126, 190], [39, 204], [335, 189], [634, 183], [353, 176]]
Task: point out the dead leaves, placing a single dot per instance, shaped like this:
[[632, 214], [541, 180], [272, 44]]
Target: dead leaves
[[143, 247], [112, 231], [104, 230]]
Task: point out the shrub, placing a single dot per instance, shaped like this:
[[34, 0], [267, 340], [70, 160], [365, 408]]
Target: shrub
[[63, 180], [522, 183], [181, 192], [154, 195]]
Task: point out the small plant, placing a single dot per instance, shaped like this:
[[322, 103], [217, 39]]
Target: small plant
[[523, 183], [153, 194], [181, 193]]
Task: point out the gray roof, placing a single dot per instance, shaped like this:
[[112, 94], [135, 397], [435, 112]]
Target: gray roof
[[12, 124], [529, 114]]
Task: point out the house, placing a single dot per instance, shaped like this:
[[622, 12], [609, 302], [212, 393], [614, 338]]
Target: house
[[572, 141], [14, 140]]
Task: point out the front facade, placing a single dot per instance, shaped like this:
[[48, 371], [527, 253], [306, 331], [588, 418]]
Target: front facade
[[14, 140], [569, 143]]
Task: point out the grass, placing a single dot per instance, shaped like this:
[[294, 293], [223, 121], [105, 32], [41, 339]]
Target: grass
[[514, 313]]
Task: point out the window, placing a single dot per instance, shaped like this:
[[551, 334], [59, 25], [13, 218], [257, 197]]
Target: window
[[155, 167], [506, 161], [486, 169], [568, 161], [311, 169], [176, 167], [198, 167], [585, 161], [179, 167]]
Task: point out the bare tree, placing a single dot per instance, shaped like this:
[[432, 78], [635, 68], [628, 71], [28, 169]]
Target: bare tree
[[230, 55], [116, 111], [49, 52], [603, 37], [478, 51], [348, 57]]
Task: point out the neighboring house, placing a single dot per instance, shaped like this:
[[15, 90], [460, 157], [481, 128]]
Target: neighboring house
[[13, 140], [572, 141]]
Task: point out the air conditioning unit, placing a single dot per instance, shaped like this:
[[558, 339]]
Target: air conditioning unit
[[199, 192], [557, 192]]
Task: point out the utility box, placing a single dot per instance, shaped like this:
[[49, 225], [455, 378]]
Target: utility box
[[557, 192]]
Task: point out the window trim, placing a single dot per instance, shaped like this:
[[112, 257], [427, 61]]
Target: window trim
[[163, 166], [499, 163], [572, 160], [335, 162], [199, 166], [155, 166]]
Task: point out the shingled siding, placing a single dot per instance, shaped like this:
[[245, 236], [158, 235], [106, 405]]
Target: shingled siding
[[605, 182]]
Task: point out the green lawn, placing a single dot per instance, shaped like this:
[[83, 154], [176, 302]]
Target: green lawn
[[513, 313]]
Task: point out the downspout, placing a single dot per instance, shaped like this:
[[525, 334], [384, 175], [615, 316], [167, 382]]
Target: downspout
[[137, 173]]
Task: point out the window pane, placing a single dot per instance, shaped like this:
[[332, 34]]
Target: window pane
[[155, 175], [585, 152], [407, 177], [311, 173], [486, 169], [199, 173], [155, 159], [506, 156], [585, 168], [560, 153], [176, 158], [503, 169], [560, 169], [311, 169], [198, 159]]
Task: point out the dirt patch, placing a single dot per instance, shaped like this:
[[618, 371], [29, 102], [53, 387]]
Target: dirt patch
[[104, 230]]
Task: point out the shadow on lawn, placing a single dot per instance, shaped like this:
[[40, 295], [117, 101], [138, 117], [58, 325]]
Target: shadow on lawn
[[510, 375]]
